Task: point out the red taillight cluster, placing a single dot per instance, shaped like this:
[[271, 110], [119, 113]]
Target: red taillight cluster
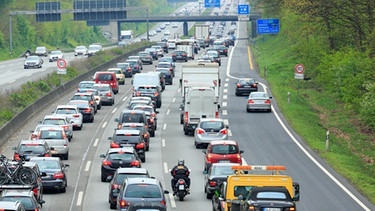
[[213, 183], [238, 85], [65, 127], [267, 101], [163, 202], [186, 117], [16, 156], [47, 155], [58, 175], [75, 115], [140, 146], [200, 131], [250, 101], [156, 94], [224, 131], [181, 182], [108, 94], [116, 186], [106, 163], [124, 203], [134, 163], [114, 145], [216, 114]]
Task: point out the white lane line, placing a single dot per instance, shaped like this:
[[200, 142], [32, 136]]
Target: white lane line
[[229, 132], [9, 82], [164, 126], [171, 199], [224, 112], [224, 104], [168, 111], [166, 170], [179, 90], [114, 110], [226, 79], [96, 142], [125, 98], [225, 90], [163, 142], [104, 124], [88, 164], [173, 100], [79, 199], [226, 121], [226, 85], [225, 97]]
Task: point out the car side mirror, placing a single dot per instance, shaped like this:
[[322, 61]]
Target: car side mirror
[[204, 151], [102, 155], [109, 138], [43, 174], [52, 148], [241, 151]]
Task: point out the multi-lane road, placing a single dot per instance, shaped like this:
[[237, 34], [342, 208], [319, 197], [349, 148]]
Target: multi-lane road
[[265, 138]]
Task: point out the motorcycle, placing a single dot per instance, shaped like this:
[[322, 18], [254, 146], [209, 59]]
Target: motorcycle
[[27, 54], [181, 189]]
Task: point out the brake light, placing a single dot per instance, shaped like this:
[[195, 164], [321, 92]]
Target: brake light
[[134, 163], [16, 156], [87, 110], [250, 101], [124, 203], [238, 85], [181, 182], [108, 94], [91, 102], [209, 156], [239, 159], [116, 186], [138, 93], [47, 155], [156, 94], [106, 163], [163, 202], [153, 114], [114, 145], [151, 120], [255, 85], [213, 184], [267, 101], [145, 135], [224, 131], [58, 175], [216, 114], [119, 126], [186, 117], [200, 131], [140, 146], [35, 191], [75, 115]]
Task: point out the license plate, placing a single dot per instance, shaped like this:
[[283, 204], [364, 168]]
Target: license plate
[[271, 209], [224, 161], [246, 86], [181, 187]]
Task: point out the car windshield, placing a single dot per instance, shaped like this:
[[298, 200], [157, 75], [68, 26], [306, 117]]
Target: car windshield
[[32, 148], [212, 125], [121, 177], [25, 201], [224, 149], [142, 191], [222, 170]]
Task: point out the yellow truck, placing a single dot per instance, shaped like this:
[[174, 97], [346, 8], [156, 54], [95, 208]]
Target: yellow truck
[[253, 186]]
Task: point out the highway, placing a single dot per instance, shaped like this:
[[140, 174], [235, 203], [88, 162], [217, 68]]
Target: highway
[[266, 139]]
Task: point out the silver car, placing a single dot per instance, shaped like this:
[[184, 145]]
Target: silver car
[[208, 130], [106, 93], [71, 111], [258, 101], [80, 50], [56, 139], [63, 121]]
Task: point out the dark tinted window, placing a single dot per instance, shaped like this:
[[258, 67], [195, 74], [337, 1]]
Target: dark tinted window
[[224, 149], [121, 156], [128, 117], [121, 177], [142, 191], [105, 77], [214, 125], [32, 148]]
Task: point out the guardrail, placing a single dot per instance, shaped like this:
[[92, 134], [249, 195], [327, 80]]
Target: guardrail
[[12, 126]]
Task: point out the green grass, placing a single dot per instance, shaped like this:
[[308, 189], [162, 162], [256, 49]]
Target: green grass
[[312, 111]]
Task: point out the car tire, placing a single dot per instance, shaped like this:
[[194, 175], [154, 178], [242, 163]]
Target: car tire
[[208, 195], [80, 127], [100, 106], [66, 156], [237, 94], [113, 206], [143, 159], [103, 178], [152, 133], [63, 189], [248, 110], [92, 119]]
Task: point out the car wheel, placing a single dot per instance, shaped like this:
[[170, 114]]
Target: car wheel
[[63, 189], [237, 94], [104, 179], [100, 106], [208, 196], [80, 127], [92, 119], [143, 159], [248, 110], [66, 156], [25, 67], [113, 206], [269, 110], [152, 134], [113, 102], [148, 147], [197, 146]]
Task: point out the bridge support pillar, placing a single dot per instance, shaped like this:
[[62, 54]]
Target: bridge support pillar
[[185, 29]]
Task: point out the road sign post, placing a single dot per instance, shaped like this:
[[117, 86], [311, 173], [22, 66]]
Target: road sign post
[[299, 70], [211, 3], [268, 26]]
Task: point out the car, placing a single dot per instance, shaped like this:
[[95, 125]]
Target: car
[[142, 128], [135, 65], [209, 129], [134, 103], [179, 55], [41, 51], [159, 50], [55, 55], [11, 206], [223, 151], [222, 49], [146, 57], [56, 172], [118, 178], [56, 139], [158, 29], [104, 77], [168, 74], [138, 59], [127, 70], [106, 93], [62, 121], [89, 97], [72, 112], [167, 64], [168, 59], [80, 50], [153, 53], [27, 149], [246, 86], [119, 75], [124, 138], [167, 33], [131, 116], [93, 49], [85, 85], [34, 133], [33, 62], [134, 190], [174, 25], [258, 101], [85, 108], [164, 45], [26, 197], [215, 55], [215, 176], [150, 206], [149, 100], [152, 91], [97, 96], [115, 158]]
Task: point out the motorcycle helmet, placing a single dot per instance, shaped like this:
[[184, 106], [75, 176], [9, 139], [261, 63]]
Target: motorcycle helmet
[[181, 162]]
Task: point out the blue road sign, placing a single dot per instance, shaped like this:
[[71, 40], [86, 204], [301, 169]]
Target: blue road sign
[[211, 3], [268, 26], [243, 9]]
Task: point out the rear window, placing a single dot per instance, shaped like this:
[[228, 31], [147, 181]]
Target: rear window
[[32, 148], [105, 77], [121, 156], [54, 122], [49, 134], [66, 111], [129, 117], [143, 191], [121, 177], [214, 125], [224, 149], [101, 88]]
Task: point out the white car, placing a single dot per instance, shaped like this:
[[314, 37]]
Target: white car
[[80, 50], [167, 33], [55, 55], [94, 48], [72, 112]]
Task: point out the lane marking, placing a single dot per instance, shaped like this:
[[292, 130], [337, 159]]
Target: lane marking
[[226, 79], [96, 142], [225, 90], [114, 110], [125, 98], [171, 199], [229, 132], [225, 97], [79, 199], [168, 111], [165, 126], [224, 112], [226, 121], [249, 57], [226, 85], [173, 100], [163, 142], [166, 170], [224, 104], [104, 124], [88, 164]]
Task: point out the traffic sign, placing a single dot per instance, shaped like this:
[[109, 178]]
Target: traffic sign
[[268, 26], [299, 68], [211, 3], [243, 9], [61, 63]]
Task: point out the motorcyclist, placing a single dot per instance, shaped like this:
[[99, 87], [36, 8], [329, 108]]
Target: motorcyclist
[[28, 52], [180, 171]]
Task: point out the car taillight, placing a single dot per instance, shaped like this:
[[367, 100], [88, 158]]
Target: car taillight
[[250, 101], [16, 156], [108, 94], [134, 163], [183, 54], [224, 131], [213, 183], [114, 145], [116, 186], [138, 93], [173, 54], [239, 159], [267, 101], [151, 120], [119, 126], [238, 85], [87, 110], [35, 191], [124, 203], [209, 156], [163, 202], [47, 155], [186, 117], [91, 102], [140, 146], [145, 135], [156, 94], [106, 163], [255, 85], [216, 114], [153, 114], [200, 131], [65, 127], [58, 175], [75, 115]]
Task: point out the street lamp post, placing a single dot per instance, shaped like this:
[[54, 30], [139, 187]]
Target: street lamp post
[[147, 27]]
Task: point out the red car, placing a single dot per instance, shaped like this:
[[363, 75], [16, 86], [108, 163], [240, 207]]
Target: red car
[[224, 151]]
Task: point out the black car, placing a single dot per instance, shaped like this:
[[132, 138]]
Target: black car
[[246, 86], [85, 108], [222, 50], [215, 56], [179, 55], [168, 65], [118, 178], [141, 127], [152, 91], [168, 75], [153, 53], [131, 116], [127, 138], [134, 64], [116, 158], [55, 169], [27, 149], [216, 175], [127, 70]]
